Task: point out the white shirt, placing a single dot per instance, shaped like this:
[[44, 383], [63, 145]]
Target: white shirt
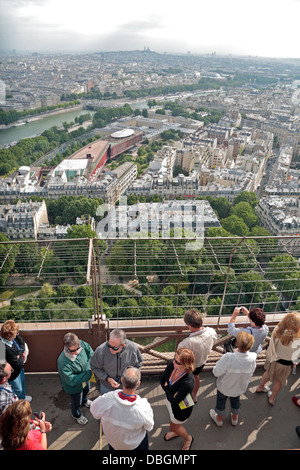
[[233, 372], [201, 343], [124, 423]]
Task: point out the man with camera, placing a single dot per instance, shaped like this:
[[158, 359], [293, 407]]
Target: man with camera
[[257, 327]]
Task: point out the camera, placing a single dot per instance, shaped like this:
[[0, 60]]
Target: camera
[[38, 414]]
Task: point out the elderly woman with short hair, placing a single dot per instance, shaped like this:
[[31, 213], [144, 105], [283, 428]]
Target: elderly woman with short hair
[[74, 369]]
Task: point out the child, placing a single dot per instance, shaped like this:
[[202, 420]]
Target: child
[[233, 372]]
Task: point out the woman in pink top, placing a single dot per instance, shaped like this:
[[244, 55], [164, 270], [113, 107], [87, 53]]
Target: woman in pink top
[[19, 432]]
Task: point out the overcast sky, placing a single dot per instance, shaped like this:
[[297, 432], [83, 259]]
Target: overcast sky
[[266, 28]]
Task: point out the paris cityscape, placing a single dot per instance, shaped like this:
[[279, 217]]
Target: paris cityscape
[[150, 164]]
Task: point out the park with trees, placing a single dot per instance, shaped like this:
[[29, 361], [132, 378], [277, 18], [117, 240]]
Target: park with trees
[[154, 277]]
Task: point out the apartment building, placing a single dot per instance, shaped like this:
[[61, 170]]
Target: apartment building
[[125, 174], [185, 158], [280, 215], [183, 219], [23, 220]]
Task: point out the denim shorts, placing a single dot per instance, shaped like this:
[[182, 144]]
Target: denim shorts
[[235, 404]]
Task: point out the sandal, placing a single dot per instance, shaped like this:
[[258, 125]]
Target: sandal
[[190, 446], [263, 390], [271, 402], [170, 439]]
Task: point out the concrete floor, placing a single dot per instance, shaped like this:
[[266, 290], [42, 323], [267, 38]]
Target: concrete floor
[[261, 426]]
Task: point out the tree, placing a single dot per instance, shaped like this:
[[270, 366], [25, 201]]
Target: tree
[[129, 308], [64, 291], [258, 231], [8, 254], [271, 303], [253, 288], [246, 196], [283, 270], [245, 211], [218, 232], [120, 260], [83, 293], [151, 103], [221, 205], [235, 225], [15, 312], [66, 310], [26, 261], [46, 293], [81, 231], [148, 306], [213, 306], [297, 305]]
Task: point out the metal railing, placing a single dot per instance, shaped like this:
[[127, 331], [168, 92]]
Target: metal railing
[[143, 286], [82, 279]]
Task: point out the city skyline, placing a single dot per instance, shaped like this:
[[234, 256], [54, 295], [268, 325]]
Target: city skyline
[[265, 28]]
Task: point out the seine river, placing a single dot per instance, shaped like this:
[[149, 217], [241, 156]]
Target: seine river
[[31, 129], [14, 134]]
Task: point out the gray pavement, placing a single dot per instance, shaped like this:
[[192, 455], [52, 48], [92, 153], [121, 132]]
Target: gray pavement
[[261, 426]]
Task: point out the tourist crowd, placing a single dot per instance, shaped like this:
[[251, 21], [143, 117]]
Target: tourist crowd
[[126, 417]]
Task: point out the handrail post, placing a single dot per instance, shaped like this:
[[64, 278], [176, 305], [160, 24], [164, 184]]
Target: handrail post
[[226, 282]]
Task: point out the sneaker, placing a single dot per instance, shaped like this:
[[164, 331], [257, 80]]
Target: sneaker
[[234, 422], [28, 398], [81, 419], [213, 416], [88, 403]]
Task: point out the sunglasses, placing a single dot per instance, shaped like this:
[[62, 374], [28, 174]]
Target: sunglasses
[[74, 350], [113, 347], [176, 362]]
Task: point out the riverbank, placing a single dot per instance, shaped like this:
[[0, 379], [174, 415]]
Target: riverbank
[[35, 128], [39, 117]]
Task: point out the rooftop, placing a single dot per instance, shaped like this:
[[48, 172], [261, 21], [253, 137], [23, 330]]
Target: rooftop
[[94, 149]]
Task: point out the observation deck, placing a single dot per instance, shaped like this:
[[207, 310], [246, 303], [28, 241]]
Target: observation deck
[[261, 426]]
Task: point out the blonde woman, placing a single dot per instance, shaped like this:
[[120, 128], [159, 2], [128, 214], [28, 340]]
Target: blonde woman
[[178, 382], [283, 350], [233, 372]]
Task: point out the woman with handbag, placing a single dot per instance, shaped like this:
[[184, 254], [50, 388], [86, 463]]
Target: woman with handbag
[[284, 349], [178, 383]]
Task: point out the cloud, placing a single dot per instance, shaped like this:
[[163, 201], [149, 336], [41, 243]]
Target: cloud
[[264, 27], [32, 29]]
